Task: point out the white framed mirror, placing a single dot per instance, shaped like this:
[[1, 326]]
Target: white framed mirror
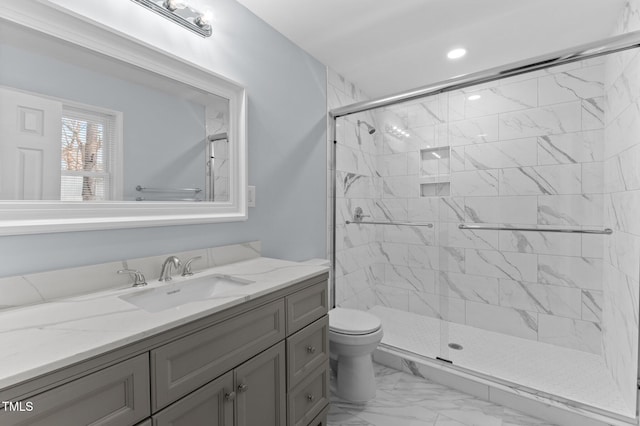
[[100, 131]]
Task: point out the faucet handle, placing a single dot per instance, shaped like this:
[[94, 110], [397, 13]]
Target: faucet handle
[[138, 278], [186, 271]]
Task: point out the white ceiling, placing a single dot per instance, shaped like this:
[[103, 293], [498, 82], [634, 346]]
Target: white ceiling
[[387, 46]]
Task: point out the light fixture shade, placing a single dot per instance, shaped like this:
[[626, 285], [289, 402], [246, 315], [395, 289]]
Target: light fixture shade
[[180, 13]]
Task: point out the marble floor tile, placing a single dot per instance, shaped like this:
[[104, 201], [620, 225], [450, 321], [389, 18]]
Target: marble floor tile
[[406, 400]]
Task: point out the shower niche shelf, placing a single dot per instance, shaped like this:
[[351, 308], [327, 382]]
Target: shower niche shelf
[[435, 172]]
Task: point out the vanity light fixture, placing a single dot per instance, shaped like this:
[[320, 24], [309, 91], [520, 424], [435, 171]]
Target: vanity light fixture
[[182, 13]]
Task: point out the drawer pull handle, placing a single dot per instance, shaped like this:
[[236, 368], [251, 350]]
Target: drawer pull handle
[[311, 349], [310, 397], [230, 396], [242, 388]]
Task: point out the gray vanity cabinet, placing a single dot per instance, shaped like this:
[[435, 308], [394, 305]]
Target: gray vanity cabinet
[[261, 363], [260, 389], [211, 405]]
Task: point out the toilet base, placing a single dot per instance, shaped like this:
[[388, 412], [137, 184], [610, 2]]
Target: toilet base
[[355, 378]]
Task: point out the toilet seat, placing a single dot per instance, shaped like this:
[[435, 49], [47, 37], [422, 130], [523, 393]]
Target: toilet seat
[[352, 322]]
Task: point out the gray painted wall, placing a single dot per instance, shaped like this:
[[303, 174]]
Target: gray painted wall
[[287, 133]]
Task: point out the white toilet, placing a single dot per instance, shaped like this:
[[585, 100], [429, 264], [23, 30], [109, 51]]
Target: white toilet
[[353, 336]]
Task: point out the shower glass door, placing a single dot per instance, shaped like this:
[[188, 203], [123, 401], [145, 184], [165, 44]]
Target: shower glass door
[[506, 241]]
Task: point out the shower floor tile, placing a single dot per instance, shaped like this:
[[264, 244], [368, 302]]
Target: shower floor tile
[[406, 400], [568, 373]]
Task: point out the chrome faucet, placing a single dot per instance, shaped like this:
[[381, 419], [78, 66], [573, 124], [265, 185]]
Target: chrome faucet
[[165, 272], [138, 277], [186, 271]]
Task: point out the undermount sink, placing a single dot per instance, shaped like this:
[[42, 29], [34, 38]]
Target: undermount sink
[[192, 290]]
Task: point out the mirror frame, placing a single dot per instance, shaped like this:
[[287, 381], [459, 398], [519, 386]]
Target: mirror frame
[[33, 217]]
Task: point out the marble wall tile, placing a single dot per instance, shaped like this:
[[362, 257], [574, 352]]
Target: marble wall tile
[[428, 112], [541, 180], [452, 259], [513, 322], [423, 209], [550, 120], [578, 147], [593, 178], [475, 130], [355, 161], [584, 210], [548, 299], [391, 209], [593, 246], [400, 187], [495, 99], [621, 133], [475, 183], [349, 236], [419, 256], [622, 250], [624, 208], [592, 302], [579, 272], [498, 264], [392, 297], [436, 306], [593, 113], [571, 333], [410, 278], [621, 171], [393, 165], [571, 85], [621, 89], [451, 209], [506, 210], [392, 253], [620, 330], [353, 185], [469, 287], [497, 155], [409, 234], [541, 243]]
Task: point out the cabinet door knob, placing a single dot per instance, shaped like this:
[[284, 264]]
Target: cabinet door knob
[[242, 388], [230, 396], [311, 349], [310, 397]]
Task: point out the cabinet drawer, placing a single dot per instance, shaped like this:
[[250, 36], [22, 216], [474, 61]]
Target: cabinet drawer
[[117, 395], [307, 350], [182, 366], [321, 419], [309, 398], [306, 306], [210, 405]]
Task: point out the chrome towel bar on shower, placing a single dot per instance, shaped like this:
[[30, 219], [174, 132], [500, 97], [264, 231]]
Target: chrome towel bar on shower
[[141, 188], [607, 231], [428, 225]]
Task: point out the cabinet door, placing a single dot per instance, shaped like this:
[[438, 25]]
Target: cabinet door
[[212, 405], [260, 388]]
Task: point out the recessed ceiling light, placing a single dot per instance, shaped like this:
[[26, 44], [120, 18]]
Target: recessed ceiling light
[[456, 53], [474, 97]]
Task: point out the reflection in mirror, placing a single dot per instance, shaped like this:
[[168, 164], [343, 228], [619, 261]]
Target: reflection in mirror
[[79, 126]]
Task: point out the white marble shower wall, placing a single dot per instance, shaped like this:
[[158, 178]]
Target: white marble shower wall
[[621, 207], [357, 185], [524, 151]]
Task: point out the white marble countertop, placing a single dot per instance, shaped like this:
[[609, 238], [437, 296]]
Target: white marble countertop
[[41, 338]]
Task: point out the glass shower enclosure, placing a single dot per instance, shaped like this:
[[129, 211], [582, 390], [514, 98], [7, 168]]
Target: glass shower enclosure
[[491, 222]]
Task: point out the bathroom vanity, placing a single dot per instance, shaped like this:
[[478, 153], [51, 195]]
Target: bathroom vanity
[[248, 357]]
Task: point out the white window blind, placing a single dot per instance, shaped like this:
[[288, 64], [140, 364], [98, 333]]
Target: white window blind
[[87, 145]]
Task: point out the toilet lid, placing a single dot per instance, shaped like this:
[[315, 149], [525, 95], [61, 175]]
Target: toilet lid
[[350, 321]]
